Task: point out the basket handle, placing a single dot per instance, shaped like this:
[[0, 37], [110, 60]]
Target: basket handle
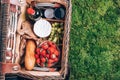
[[63, 2]]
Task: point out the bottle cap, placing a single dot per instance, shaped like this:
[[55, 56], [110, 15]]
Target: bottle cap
[[30, 11]]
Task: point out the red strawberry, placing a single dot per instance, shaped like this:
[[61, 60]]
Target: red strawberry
[[45, 46], [50, 61], [42, 64], [54, 46], [50, 43], [43, 53], [38, 61], [41, 49], [56, 52], [51, 49], [52, 56], [49, 65], [36, 56], [37, 50], [47, 55], [43, 60], [56, 59]]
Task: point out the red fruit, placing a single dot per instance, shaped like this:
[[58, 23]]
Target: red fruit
[[43, 53], [42, 64], [51, 49], [54, 46], [47, 55], [52, 56], [38, 61], [50, 61], [50, 43], [36, 56], [37, 50], [45, 46], [41, 49], [49, 65], [56, 52], [43, 60], [56, 59]]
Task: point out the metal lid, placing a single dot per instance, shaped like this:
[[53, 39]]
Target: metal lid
[[42, 28], [49, 13]]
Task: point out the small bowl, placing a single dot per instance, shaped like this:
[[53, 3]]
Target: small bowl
[[50, 52]]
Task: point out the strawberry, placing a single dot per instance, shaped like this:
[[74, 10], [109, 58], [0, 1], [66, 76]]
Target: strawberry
[[49, 65], [56, 59], [51, 49], [50, 61], [50, 43], [37, 50], [41, 49], [47, 55], [36, 56], [52, 56], [43, 53], [42, 64], [54, 46], [43, 60], [45, 46], [38, 61], [56, 52]]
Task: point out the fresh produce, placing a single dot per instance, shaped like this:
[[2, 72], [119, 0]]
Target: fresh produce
[[47, 54], [29, 55], [57, 32]]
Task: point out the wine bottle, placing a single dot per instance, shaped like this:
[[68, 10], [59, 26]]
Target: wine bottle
[[34, 13]]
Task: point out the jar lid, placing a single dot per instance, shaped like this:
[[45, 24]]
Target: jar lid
[[49, 13], [59, 13], [42, 28]]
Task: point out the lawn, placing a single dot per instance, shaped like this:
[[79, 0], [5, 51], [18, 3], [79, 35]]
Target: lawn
[[95, 40]]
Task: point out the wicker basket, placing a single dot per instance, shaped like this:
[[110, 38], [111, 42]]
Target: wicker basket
[[4, 23]]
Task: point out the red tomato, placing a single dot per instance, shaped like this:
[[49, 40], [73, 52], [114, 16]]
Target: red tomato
[[38, 61], [36, 56], [43, 60]]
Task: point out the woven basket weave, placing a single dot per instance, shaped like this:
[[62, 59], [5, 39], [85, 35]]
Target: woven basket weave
[[4, 22]]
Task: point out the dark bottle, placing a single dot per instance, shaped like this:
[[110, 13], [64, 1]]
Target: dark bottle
[[34, 13]]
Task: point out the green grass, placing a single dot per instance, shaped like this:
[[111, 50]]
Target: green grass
[[95, 40]]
